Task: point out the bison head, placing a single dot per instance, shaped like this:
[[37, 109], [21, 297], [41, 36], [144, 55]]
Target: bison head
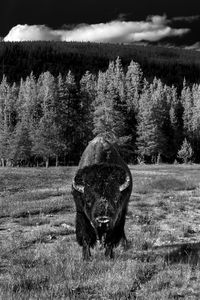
[[103, 188]]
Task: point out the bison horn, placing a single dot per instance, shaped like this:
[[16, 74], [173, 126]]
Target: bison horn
[[78, 187], [125, 184]]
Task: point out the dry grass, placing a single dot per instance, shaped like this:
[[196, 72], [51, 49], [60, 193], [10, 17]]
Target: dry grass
[[40, 259]]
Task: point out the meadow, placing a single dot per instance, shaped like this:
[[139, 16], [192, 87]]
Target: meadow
[[40, 259]]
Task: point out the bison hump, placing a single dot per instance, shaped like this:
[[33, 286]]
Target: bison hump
[[99, 151]]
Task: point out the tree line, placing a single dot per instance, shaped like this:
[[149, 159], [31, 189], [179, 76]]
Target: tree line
[[50, 119], [18, 59]]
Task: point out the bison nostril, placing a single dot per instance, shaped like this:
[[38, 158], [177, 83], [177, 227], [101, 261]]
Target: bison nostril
[[103, 220]]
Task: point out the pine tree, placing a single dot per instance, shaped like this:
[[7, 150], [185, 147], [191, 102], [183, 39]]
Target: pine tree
[[110, 106], [88, 86], [106, 118], [7, 119], [21, 151], [119, 83], [187, 102], [133, 87], [45, 140], [45, 133], [72, 124], [153, 122], [26, 114], [176, 120], [194, 137], [134, 83], [185, 153], [146, 128]]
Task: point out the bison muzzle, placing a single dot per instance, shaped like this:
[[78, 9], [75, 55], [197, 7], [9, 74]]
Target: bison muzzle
[[101, 189]]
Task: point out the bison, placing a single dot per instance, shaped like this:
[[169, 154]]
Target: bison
[[101, 189]]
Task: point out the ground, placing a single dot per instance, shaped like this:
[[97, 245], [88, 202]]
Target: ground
[[40, 259]]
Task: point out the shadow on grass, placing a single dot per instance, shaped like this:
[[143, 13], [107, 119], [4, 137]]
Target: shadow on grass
[[188, 253], [185, 253]]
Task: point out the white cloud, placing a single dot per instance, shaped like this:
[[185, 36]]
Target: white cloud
[[160, 34], [195, 46], [189, 19], [156, 19], [118, 31], [32, 33]]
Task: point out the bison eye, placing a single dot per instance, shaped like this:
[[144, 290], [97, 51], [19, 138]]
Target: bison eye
[[89, 202], [115, 199]]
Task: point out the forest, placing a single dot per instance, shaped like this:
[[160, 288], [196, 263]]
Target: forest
[[170, 64], [49, 120]]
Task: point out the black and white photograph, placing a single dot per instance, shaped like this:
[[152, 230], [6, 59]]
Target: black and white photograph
[[99, 150]]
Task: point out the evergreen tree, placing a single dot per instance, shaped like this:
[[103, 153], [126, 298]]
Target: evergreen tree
[[109, 105], [7, 119], [146, 129], [153, 122], [119, 84], [185, 153], [21, 150], [134, 83], [187, 102], [45, 140], [195, 122], [88, 88], [106, 118], [176, 119], [45, 133], [26, 113], [72, 126], [133, 87]]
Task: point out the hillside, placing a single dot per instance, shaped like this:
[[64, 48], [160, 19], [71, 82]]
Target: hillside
[[171, 65]]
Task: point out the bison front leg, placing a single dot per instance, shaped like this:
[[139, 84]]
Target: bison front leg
[[125, 243], [86, 251], [85, 235], [109, 251]]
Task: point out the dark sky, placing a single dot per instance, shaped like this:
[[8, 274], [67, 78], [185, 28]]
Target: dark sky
[[55, 13]]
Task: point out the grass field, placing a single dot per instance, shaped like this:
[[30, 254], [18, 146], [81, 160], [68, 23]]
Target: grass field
[[40, 259]]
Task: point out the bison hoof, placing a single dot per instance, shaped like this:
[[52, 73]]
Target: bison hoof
[[126, 244]]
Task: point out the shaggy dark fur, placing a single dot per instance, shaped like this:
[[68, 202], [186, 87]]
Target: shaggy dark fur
[[101, 171]]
